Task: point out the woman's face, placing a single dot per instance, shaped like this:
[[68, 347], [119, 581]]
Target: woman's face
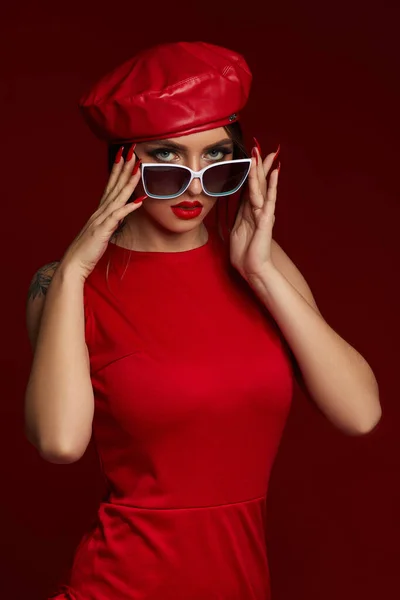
[[196, 151]]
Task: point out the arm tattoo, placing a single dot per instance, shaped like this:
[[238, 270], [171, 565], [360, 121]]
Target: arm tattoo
[[41, 280]]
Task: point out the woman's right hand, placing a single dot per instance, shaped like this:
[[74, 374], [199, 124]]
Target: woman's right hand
[[91, 243]]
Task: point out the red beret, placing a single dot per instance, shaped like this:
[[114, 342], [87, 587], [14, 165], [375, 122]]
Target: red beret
[[167, 91]]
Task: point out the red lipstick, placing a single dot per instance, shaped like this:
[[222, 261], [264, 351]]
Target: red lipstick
[[187, 210], [188, 204]]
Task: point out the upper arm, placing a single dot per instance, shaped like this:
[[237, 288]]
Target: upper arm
[[36, 298]]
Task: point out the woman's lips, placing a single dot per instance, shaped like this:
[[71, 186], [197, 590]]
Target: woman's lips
[[187, 204], [187, 213]]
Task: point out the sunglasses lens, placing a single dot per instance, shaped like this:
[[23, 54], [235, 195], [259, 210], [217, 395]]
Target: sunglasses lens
[[225, 179], [165, 181]]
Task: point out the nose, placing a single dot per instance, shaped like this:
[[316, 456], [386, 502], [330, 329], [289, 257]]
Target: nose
[[195, 188]]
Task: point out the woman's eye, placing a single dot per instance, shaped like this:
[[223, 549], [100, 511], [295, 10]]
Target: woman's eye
[[165, 155], [217, 154]]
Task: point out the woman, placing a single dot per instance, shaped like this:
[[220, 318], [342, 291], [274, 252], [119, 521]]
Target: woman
[[176, 345]]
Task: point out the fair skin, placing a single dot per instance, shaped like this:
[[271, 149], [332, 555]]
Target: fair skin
[[154, 227]]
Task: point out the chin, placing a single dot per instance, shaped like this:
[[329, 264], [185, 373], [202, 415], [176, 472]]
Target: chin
[[181, 226]]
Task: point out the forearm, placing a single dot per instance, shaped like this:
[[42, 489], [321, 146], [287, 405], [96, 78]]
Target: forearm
[[337, 377], [59, 396]]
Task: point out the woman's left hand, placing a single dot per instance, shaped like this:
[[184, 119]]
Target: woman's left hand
[[251, 236]]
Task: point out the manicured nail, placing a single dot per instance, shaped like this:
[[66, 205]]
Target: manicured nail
[[119, 154], [130, 153], [138, 200], [258, 146], [279, 167], [277, 152], [136, 167], [254, 153]]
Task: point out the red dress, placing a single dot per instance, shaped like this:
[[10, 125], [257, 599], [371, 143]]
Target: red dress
[[192, 387]]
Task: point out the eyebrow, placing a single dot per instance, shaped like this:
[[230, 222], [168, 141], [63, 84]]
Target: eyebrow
[[176, 146]]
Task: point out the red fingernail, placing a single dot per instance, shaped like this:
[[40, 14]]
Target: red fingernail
[[254, 153], [140, 199], [119, 154], [277, 152], [136, 167], [279, 166], [130, 153], [258, 146]]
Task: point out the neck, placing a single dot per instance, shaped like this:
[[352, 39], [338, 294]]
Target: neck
[[145, 235]]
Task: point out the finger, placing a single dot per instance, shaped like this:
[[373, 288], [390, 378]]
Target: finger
[[261, 173], [268, 162], [270, 159], [123, 174], [255, 193], [120, 195], [130, 168], [114, 175], [115, 216], [117, 198], [272, 194], [256, 152], [123, 195]]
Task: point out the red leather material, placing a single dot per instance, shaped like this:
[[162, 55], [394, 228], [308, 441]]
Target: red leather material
[[168, 91]]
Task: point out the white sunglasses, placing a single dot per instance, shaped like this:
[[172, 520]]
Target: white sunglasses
[[164, 181]]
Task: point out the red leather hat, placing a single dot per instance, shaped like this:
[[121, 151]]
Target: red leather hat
[[167, 91]]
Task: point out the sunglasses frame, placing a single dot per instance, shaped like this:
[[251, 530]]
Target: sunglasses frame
[[194, 175]]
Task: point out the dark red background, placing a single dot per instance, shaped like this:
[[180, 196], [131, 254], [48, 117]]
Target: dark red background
[[326, 88]]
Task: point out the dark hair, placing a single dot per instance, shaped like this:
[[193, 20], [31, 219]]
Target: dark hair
[[235, 132]]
